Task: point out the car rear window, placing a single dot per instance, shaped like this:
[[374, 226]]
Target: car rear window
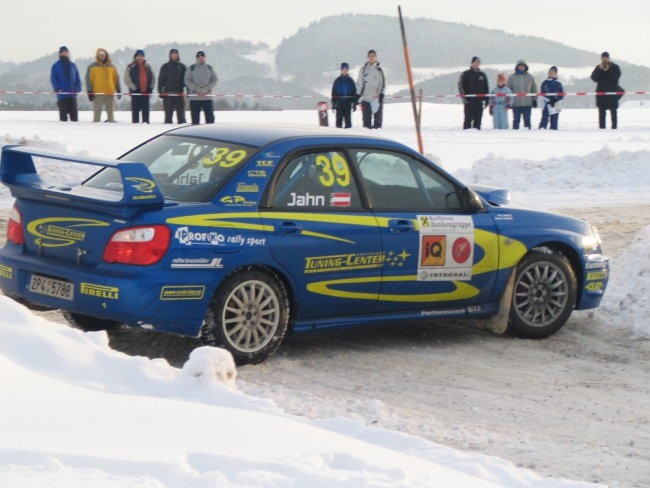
[[185, 169]]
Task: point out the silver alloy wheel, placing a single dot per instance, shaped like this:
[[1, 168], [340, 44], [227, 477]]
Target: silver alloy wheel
[[541, 293], [251, 316]]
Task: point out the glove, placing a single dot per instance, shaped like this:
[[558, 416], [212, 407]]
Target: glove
[[91, 97], [118, 95], [356, 99], [491, 110], [486, 103], [381, 98], [552, 104], [354, 107], [534, 103]]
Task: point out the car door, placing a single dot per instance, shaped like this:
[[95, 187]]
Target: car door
[[437, 256], [323, 237]]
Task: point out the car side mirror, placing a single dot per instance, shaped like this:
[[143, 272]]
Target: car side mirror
[[470, 201]]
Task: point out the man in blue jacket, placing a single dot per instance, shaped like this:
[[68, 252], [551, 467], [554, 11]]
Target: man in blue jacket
[[66, 81], [344, 91]]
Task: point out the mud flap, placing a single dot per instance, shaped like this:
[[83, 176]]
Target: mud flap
[[499, 323]]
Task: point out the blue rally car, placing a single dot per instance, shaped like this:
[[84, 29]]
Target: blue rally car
[[239, 234]]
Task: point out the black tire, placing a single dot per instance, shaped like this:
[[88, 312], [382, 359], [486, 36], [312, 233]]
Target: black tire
[[248, 316], [544, 294], [89, 324]]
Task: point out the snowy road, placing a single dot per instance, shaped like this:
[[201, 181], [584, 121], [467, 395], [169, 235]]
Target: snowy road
[[576, 405]]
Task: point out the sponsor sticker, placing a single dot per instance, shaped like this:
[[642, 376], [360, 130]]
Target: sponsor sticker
[[596, 275], [195, 263], [248, 188], [143, 185], [594, 286], [6, 272], [189, 292], [266, 163], [100, 291], [257, 173], [446, 247], [61, 231], [443, 313], [188, 237], [352, 261], [236, 200]]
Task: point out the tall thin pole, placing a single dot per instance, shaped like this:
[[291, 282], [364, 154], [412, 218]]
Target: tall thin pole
[[407, 60]]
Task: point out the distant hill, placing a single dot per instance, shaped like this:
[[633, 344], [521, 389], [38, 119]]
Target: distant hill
[[307, 62]]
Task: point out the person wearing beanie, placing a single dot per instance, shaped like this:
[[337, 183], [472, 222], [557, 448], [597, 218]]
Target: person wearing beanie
[[200, 79], [551, 107], [500, 103], [140, 79], [371, 84], [606, 76], [344, 91], [66, 82], [473, 82], [103, 85], [521, 81], [171, 87]]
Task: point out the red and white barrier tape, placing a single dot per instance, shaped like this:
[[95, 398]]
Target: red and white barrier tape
[[393, 97]]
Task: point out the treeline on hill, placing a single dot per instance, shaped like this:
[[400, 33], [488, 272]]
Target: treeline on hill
[[307, 62]]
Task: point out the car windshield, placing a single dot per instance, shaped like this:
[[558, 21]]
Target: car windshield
[[185, 169]]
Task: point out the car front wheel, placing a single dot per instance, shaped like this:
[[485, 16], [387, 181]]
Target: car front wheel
[[544, 294], [249, 316]]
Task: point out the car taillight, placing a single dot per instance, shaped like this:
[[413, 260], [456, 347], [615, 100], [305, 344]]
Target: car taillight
[[138, 245], [15, 227]]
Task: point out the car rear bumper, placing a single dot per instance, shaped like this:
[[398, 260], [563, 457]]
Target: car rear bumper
[[172, 301]]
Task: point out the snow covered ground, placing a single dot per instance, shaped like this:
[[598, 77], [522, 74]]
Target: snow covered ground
[[77, 413]]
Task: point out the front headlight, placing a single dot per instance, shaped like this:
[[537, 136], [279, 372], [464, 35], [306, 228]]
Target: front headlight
[[592, 242]]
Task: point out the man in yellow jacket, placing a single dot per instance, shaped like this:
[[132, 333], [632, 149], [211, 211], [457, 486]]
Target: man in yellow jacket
[[102, 83]]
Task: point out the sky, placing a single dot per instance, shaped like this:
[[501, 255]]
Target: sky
[[31, 29]]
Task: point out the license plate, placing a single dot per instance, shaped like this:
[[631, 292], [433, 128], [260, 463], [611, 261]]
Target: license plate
[[51, 287]]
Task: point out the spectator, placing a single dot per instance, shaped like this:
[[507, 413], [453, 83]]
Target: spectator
[[521, 81], [551, 102], [471, 82], [102, 85], [500, 103], [343, 95], [200, 79], [66, 81], [606, 76], [170, 87], [371, 84], [139, 77]]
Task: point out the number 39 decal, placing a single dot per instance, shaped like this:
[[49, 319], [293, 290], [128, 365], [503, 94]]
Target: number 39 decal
[[335, 170], [224, 157]]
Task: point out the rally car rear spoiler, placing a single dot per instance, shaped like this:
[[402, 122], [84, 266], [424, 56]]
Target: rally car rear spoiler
[[138, 188]]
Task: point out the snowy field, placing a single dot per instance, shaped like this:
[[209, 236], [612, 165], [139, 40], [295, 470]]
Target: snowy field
[[75, 412]]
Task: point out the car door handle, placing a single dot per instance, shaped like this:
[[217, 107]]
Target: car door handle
[[401, 225], [288, 228]]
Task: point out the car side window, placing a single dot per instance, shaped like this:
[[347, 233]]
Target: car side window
[[317, 181], [399, 182]]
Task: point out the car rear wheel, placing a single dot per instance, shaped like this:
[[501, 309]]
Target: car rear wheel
[[89, 324], [249, 316], [544, 294]]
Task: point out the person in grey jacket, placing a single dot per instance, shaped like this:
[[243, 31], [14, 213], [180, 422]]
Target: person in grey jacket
[[521, 81], [371, 84], [200, 79]]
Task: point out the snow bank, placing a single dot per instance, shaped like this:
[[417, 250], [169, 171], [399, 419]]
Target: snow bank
[[626, 299], [76, 413], [599, 177]]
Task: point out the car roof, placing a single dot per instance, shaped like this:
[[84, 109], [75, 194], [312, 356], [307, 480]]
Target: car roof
[[263, 135]]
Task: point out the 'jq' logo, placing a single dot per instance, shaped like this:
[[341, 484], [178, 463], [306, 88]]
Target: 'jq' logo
[[61, 231]]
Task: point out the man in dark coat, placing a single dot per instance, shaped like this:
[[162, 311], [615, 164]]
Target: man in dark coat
[[343, 94], [606, 76], [66, 81], [171, 86], [471, 82], [140, 79]]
